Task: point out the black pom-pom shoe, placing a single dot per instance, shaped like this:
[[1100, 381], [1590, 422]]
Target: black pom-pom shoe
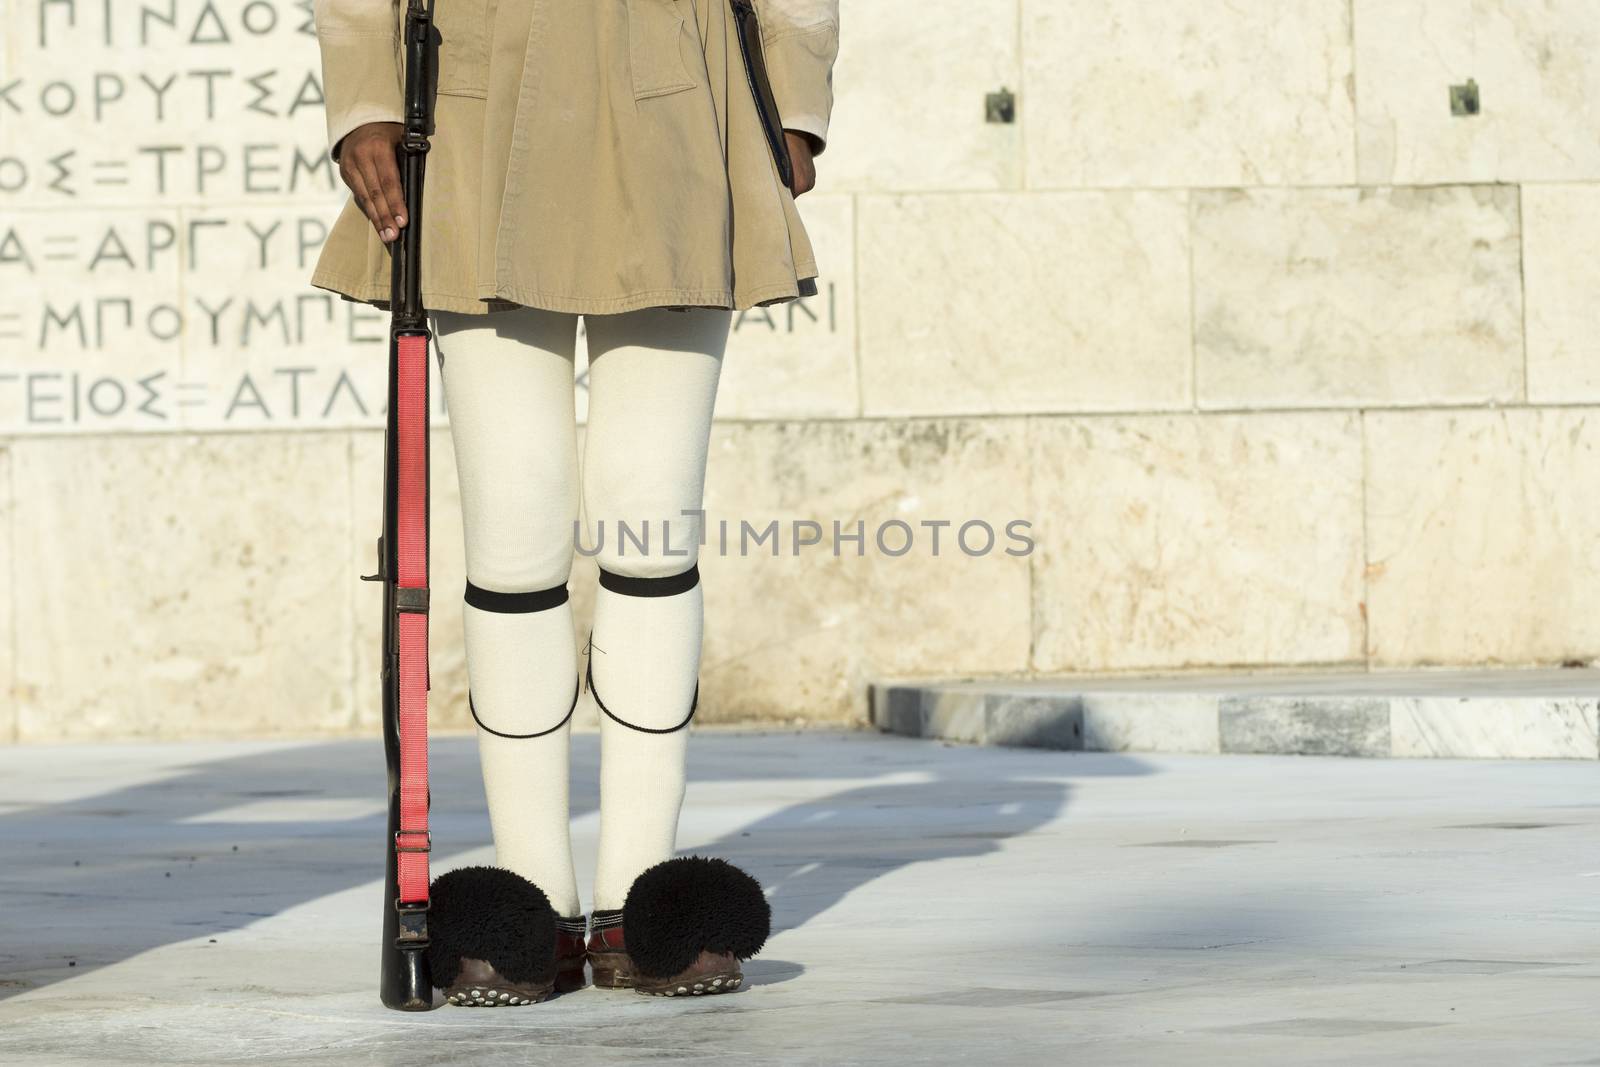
[[689, 922], [492, 938]]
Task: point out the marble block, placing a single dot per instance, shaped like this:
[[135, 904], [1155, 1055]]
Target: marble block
[[955, 715], [1027, 721], [1320, 297], [262, 348], [92, 322], [1528, 728], [994, 303], [797, 632], [1483, 536], [1202, 93], [897, 709], [1170, 541], [1537, 81], [1150, 722], [121, 104], [182, 585], [1482, 713], [798, 359], [909, 106], [980, 715], [1561, 230], [1312, 726]]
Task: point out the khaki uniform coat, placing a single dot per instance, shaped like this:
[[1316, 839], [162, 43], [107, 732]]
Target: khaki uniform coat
[[590, 156]]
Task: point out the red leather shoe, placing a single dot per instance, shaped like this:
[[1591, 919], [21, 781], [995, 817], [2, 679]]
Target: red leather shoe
[[571, 953], [711, 972], [607, 953]]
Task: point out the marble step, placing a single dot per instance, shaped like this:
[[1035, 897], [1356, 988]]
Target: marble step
[[1505, 714]]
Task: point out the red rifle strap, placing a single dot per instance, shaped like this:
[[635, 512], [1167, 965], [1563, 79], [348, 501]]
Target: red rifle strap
[[412, 842]]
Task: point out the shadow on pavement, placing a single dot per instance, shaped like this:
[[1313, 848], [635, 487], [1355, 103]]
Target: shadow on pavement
[[201, 851]]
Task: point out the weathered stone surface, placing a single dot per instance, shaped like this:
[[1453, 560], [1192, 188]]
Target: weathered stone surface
[[1561, 230], [225, 137], [1127, 93], [182, 585], [898, 709], [1526, 728], [1548, 713], [799, 633], [1150, 722], [954, 715], [1018, 303], [1028, 721], [1186, 540], [1483, 534], [1537, 81], [1316, 297], [798, 360], [908, 112], [79, 363], [262, 350], [1313, 726]]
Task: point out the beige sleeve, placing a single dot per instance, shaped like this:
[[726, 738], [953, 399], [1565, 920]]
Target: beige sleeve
[[360, 43], [800, 40]]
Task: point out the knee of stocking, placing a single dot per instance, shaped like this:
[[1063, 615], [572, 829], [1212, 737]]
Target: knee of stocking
[[524, 691], [646, 648]]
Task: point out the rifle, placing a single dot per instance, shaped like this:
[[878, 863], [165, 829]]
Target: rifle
[[406, 982]]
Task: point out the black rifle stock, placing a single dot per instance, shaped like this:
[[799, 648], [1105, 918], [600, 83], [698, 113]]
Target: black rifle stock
[[405, 981]]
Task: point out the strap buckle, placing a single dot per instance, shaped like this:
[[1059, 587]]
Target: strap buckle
[[411, 598], [426, 834], [412, 928]]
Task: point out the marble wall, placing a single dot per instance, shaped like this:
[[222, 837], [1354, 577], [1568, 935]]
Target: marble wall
[[1273, 322]]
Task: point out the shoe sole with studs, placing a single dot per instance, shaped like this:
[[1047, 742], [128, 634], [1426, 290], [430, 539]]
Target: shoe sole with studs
[[704, 985], [477, 996]]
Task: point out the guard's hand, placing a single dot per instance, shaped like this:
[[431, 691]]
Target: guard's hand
[[805, 171], [369, 166]]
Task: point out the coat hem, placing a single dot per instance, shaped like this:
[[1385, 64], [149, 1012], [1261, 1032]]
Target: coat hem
[[378, 296], [510, 297], [586, 305]]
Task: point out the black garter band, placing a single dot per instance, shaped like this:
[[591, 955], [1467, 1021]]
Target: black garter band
[[671, 585], [516, 603]]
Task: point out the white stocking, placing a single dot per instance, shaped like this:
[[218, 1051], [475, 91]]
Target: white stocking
[[652, 385]]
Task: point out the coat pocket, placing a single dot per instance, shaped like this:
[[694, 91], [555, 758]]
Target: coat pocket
[[657, 35], [463, 27]]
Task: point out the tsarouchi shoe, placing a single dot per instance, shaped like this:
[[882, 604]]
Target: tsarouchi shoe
[[608, 955], [571, 953], [689, 922], [711, 972], [492, 938]]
